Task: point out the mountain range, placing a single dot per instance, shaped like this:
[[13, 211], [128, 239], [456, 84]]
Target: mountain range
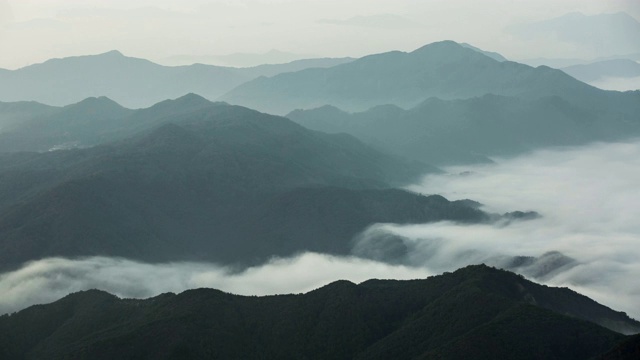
[[110, 167], [204, 181], [474, 313], [446, 70], [132, 82], [444, 132]]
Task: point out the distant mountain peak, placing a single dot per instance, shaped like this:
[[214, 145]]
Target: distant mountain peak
[[112, 53], [100, 102], [192, 98], [448, 48], [444, 44]]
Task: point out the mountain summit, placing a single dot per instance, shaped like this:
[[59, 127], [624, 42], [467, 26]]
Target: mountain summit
[[446, 70]]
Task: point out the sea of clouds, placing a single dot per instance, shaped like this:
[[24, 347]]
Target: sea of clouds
[[588, 239]]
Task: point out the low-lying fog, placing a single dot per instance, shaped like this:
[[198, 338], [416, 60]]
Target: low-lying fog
[[588, 239], [589, 199]]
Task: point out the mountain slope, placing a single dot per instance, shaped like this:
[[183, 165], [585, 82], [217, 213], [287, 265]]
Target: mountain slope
[[461, 131], [222, 183], [129, 81], [628, 349], [14, 113], [90, 122], [471, 313], [79, 124], [446, 70]]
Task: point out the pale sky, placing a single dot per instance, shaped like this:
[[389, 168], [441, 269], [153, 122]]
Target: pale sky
[[32, 31]]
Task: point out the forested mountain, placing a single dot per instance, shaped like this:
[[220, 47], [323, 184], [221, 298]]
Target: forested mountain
[[220, 182], [461, 131], [628, 349], [91, 122], [474, 313]]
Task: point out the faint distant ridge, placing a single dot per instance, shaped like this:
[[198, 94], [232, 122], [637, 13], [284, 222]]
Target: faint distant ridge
[[272, 56], [616, 68], [600, 34], [445, 70], [494, 55], [132, 82], [476, 312]]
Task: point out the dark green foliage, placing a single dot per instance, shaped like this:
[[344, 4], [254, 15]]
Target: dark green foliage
[[471, 313], [218, 182], [627, 349]]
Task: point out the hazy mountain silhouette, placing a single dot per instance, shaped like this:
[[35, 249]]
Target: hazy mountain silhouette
[[476, 312], [461, 131], [76, 125], [239, 59], [220, 183], [602, 34], [619, 68], [132, 82], [16, 113], [491, 54], [445, 70], [90, 122], [269, 70]]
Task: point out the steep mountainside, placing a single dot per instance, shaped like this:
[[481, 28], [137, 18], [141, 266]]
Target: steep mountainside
[[628, 349], [222, 183], [476, 312]]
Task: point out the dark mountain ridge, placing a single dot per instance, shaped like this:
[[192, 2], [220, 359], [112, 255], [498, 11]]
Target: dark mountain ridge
[[217, 183], [476, 312]]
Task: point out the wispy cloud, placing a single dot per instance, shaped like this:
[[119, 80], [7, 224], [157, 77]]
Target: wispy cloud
[[589, 198], [47, 280], [588, 239]]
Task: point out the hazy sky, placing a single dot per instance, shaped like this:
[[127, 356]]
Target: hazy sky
[[32, 31]]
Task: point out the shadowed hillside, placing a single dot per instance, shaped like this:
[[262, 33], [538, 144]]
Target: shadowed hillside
[[476, 312]]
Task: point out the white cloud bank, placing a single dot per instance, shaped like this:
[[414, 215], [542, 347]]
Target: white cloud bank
[[589, 198], [50, 279]]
